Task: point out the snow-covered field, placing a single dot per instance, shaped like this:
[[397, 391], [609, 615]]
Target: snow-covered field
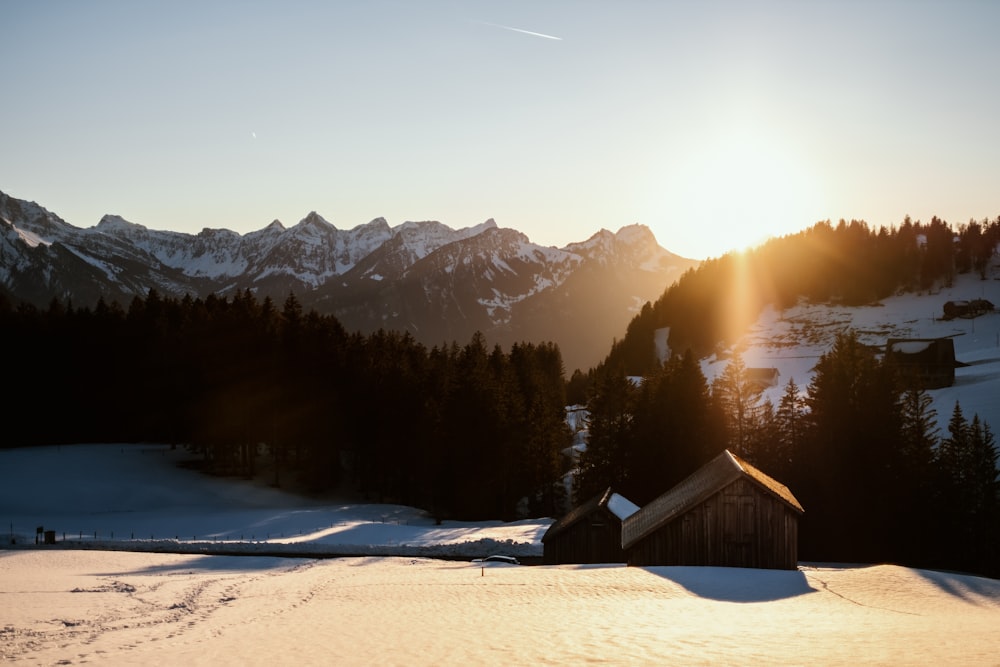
[[138, 497], [70, 607], [114, 607]]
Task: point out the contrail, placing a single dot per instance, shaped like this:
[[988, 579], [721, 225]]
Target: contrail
[[523, 32]]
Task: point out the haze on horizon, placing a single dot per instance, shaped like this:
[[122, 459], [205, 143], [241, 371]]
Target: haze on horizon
[[716, 124]]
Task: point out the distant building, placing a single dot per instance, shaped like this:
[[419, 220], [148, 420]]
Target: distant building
[[763, 378], [926, 363], [727, 513], [590, 533], [973, 308]]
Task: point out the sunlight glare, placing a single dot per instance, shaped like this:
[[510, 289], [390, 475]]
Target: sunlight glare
[[744, 188]]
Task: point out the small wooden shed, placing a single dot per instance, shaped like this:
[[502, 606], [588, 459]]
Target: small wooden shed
[[727, 513], [589, 533]]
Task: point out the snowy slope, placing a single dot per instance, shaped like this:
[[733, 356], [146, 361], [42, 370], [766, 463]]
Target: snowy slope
[[792, 341]]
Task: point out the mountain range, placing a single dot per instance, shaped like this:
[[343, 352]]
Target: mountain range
[[438, 283]]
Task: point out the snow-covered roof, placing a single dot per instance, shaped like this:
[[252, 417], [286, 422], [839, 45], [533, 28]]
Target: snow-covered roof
[[616, 504], [911, 346], [621, 506]]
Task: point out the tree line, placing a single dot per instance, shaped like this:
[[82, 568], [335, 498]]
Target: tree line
[[878, 481], [462, 430], [849, 263]]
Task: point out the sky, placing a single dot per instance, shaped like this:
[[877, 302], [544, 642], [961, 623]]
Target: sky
[[716, 124]]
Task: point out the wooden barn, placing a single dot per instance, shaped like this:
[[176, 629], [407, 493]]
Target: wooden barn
[[590, 533], [727, 513], [927, 363]]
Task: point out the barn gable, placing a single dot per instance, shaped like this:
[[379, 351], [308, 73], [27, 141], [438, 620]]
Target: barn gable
[[726, 513], [590, 533]]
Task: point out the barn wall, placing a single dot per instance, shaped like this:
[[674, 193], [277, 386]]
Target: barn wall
[[595, 538], [740, 526], [933, 368]]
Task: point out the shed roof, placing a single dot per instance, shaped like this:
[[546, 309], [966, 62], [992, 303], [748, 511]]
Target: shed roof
[[712, 477], [613, 502]]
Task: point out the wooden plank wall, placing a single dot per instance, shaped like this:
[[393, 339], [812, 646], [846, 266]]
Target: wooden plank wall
[[596, 538], [740, 526]]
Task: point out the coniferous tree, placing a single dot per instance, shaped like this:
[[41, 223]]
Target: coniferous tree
[[540, 429], [669, 431], [912, 477], [967, 460], [985, 503], [606, 461], [854, 427], [765, 434], [782, 451], [740, 403]]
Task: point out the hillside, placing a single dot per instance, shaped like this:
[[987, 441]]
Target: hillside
[[793, 339]]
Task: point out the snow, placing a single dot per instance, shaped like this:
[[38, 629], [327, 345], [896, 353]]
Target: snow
[[129, 499], [109, 269], [559, 264], [621, 506], [911, 347], [31, 239], [66, 606]]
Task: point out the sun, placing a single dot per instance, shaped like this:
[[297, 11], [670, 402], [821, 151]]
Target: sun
[[741, 188]]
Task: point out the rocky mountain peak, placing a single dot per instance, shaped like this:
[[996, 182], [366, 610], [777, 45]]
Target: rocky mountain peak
[[314, 219], [111, 221]]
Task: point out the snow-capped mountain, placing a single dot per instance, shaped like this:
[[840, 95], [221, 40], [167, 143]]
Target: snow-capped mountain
[[436, 282]]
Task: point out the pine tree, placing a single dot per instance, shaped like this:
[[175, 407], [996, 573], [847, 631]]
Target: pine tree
[[741, 404], [912, 479], [606, 461], [968, 495], [919, 432], [670, 434], [853, 442], [786, 447], [986, 499]]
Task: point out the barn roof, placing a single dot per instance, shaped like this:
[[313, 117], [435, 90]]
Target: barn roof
[[714, 476], [615, 503]]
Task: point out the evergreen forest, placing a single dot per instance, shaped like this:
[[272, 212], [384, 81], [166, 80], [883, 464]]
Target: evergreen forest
[[463, 431]]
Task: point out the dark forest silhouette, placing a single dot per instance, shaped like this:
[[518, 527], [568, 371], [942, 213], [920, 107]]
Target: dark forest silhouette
[[464, 431], [878, 481]]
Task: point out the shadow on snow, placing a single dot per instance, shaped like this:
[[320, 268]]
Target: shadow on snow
[[736, 584]]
